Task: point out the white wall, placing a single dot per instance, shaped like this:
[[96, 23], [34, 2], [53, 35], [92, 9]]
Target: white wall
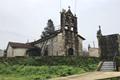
[[93, 52], [80, 46], [9, 51], [19, 52], [12, 52]]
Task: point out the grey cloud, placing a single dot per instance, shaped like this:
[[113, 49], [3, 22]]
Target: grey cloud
[[23, 19]]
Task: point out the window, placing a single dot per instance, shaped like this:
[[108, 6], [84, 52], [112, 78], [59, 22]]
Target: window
[[71, 28], [66, 27]]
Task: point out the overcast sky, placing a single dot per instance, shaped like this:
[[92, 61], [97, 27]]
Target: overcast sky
[[22, 20]]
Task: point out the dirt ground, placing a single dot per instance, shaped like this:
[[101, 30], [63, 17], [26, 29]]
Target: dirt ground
[[91, 76]]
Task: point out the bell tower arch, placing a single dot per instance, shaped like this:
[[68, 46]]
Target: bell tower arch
[[68, 21]]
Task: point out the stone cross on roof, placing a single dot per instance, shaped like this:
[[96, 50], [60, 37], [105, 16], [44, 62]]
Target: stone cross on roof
[[69, 7]]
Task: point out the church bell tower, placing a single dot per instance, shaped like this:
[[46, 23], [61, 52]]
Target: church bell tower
[[69, 30], [68, 21]]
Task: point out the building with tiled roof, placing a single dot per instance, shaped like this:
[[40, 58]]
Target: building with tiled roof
[[63, 42], [17, 49]]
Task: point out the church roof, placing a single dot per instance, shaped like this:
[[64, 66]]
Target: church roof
[[55, 33], [112, 35], [19, 45], [51, 36], [47, 37], [81, 37]]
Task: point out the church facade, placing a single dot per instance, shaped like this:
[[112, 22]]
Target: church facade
[[63, 42]]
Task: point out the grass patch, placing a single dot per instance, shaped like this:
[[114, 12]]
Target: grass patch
[[35, 69]]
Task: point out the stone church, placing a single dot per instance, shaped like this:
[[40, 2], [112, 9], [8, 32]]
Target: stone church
[[109, 45], [62, 42]]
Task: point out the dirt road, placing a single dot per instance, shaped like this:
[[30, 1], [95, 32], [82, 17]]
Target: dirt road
[[91, 76]]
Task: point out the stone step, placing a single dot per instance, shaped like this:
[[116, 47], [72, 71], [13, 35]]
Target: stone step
[[108, 66], [107, 70], [109, 63]]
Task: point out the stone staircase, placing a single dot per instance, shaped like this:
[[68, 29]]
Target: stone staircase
[[108, 66]]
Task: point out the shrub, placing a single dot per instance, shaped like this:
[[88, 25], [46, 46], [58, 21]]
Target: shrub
[[42, 68]]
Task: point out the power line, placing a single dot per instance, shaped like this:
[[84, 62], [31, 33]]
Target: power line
[[75, 5], [60, 4]]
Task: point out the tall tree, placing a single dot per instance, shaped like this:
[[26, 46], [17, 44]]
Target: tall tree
[[49, 29]]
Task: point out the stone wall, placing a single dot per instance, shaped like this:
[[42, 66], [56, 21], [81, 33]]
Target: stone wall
[[56, 46], [80, 46]]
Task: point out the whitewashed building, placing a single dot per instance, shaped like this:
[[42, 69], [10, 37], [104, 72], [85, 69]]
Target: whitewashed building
[[15, 49], [63, 42]]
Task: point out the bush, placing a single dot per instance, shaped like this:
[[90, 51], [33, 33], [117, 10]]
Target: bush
[[45, 67]]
